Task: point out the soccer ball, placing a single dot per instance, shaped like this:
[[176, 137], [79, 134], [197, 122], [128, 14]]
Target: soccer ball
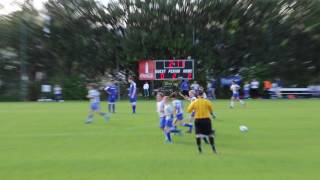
[[243, 128]]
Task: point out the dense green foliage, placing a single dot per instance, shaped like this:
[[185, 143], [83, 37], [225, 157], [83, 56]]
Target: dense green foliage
[[50, 141], [253, 38]]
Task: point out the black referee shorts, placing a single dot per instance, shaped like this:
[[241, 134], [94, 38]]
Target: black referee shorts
[[203, 127]]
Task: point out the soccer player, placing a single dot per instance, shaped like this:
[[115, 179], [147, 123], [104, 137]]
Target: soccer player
[[94, 96], [192, 97], [235, 94], [160, 109], [168, 112], [202, 109], [178, 112], [112, 92], [133, 94]]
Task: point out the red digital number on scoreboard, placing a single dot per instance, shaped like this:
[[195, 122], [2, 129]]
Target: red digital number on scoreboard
[[189, 75], [174, 76], [162, 76]]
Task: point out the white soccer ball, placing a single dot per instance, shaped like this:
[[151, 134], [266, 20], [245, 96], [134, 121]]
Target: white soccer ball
[[243, 128]]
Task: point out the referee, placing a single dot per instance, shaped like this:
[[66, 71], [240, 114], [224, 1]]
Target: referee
[[203, 110]]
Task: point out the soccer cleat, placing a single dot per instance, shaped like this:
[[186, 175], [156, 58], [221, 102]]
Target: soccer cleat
[[214, 150], [106, 118], [88, 122]]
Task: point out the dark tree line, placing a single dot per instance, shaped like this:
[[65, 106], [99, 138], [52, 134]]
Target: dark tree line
[[80, 40]]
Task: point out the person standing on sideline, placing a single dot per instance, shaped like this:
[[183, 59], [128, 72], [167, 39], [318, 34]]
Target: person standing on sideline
[[254, 87], [57, 90], [146, 89], [212, 89], [184, 88], [195, 86], [203, 111], [246, 90], [133, 94], [112, 92]]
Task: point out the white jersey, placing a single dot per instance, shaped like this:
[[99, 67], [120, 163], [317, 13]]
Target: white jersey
[[57, 90], [94, 96], [246, 87], [168, 111], [254, 85], [177, 104], [160, 108], [234, 88]]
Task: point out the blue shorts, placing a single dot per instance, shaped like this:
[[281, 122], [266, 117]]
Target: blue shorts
[[133, 99], [179, 117], [169, 123], [112, 99], [162, 122], [95, 106], [235, 95]]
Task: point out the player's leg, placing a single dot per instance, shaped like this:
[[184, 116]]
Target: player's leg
[[109, 107], [198, 135], [179, 118], [208, 131], [114, 107], [89, 119], [232, 102], [133, 102], [103, 114]]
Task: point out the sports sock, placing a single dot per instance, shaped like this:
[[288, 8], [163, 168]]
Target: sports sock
[[174, 130], [109, 107], [133, 108], [168, 136], [211, 140], [198, 141], [89, 118], [188, 125], [231, 104], [205, 140], [113, 108]]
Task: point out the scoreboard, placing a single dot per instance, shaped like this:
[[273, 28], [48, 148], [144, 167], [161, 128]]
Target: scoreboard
[[174, 69], [166, 69]]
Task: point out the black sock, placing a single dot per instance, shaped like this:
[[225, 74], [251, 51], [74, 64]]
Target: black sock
[[205, 140], [198, 140], [211, 140]]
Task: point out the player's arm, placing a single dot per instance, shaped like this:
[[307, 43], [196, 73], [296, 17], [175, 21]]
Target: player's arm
[[184, 97], [190, 107]]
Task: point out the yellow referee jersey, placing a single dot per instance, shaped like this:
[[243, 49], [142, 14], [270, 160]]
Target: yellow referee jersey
[[201, 107]]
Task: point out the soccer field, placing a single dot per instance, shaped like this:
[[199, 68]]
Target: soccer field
[[51, 141]]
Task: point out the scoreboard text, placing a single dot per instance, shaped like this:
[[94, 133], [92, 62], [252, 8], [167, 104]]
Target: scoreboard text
[[174, 69]]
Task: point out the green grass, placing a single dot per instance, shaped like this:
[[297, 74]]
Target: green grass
[[50, 141]]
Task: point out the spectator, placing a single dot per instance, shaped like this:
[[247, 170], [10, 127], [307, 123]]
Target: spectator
[[254, 88], [266, 89], [246, 90], [146, 89], [184, 87], [57, 90], [195, 86], [212, 89]]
